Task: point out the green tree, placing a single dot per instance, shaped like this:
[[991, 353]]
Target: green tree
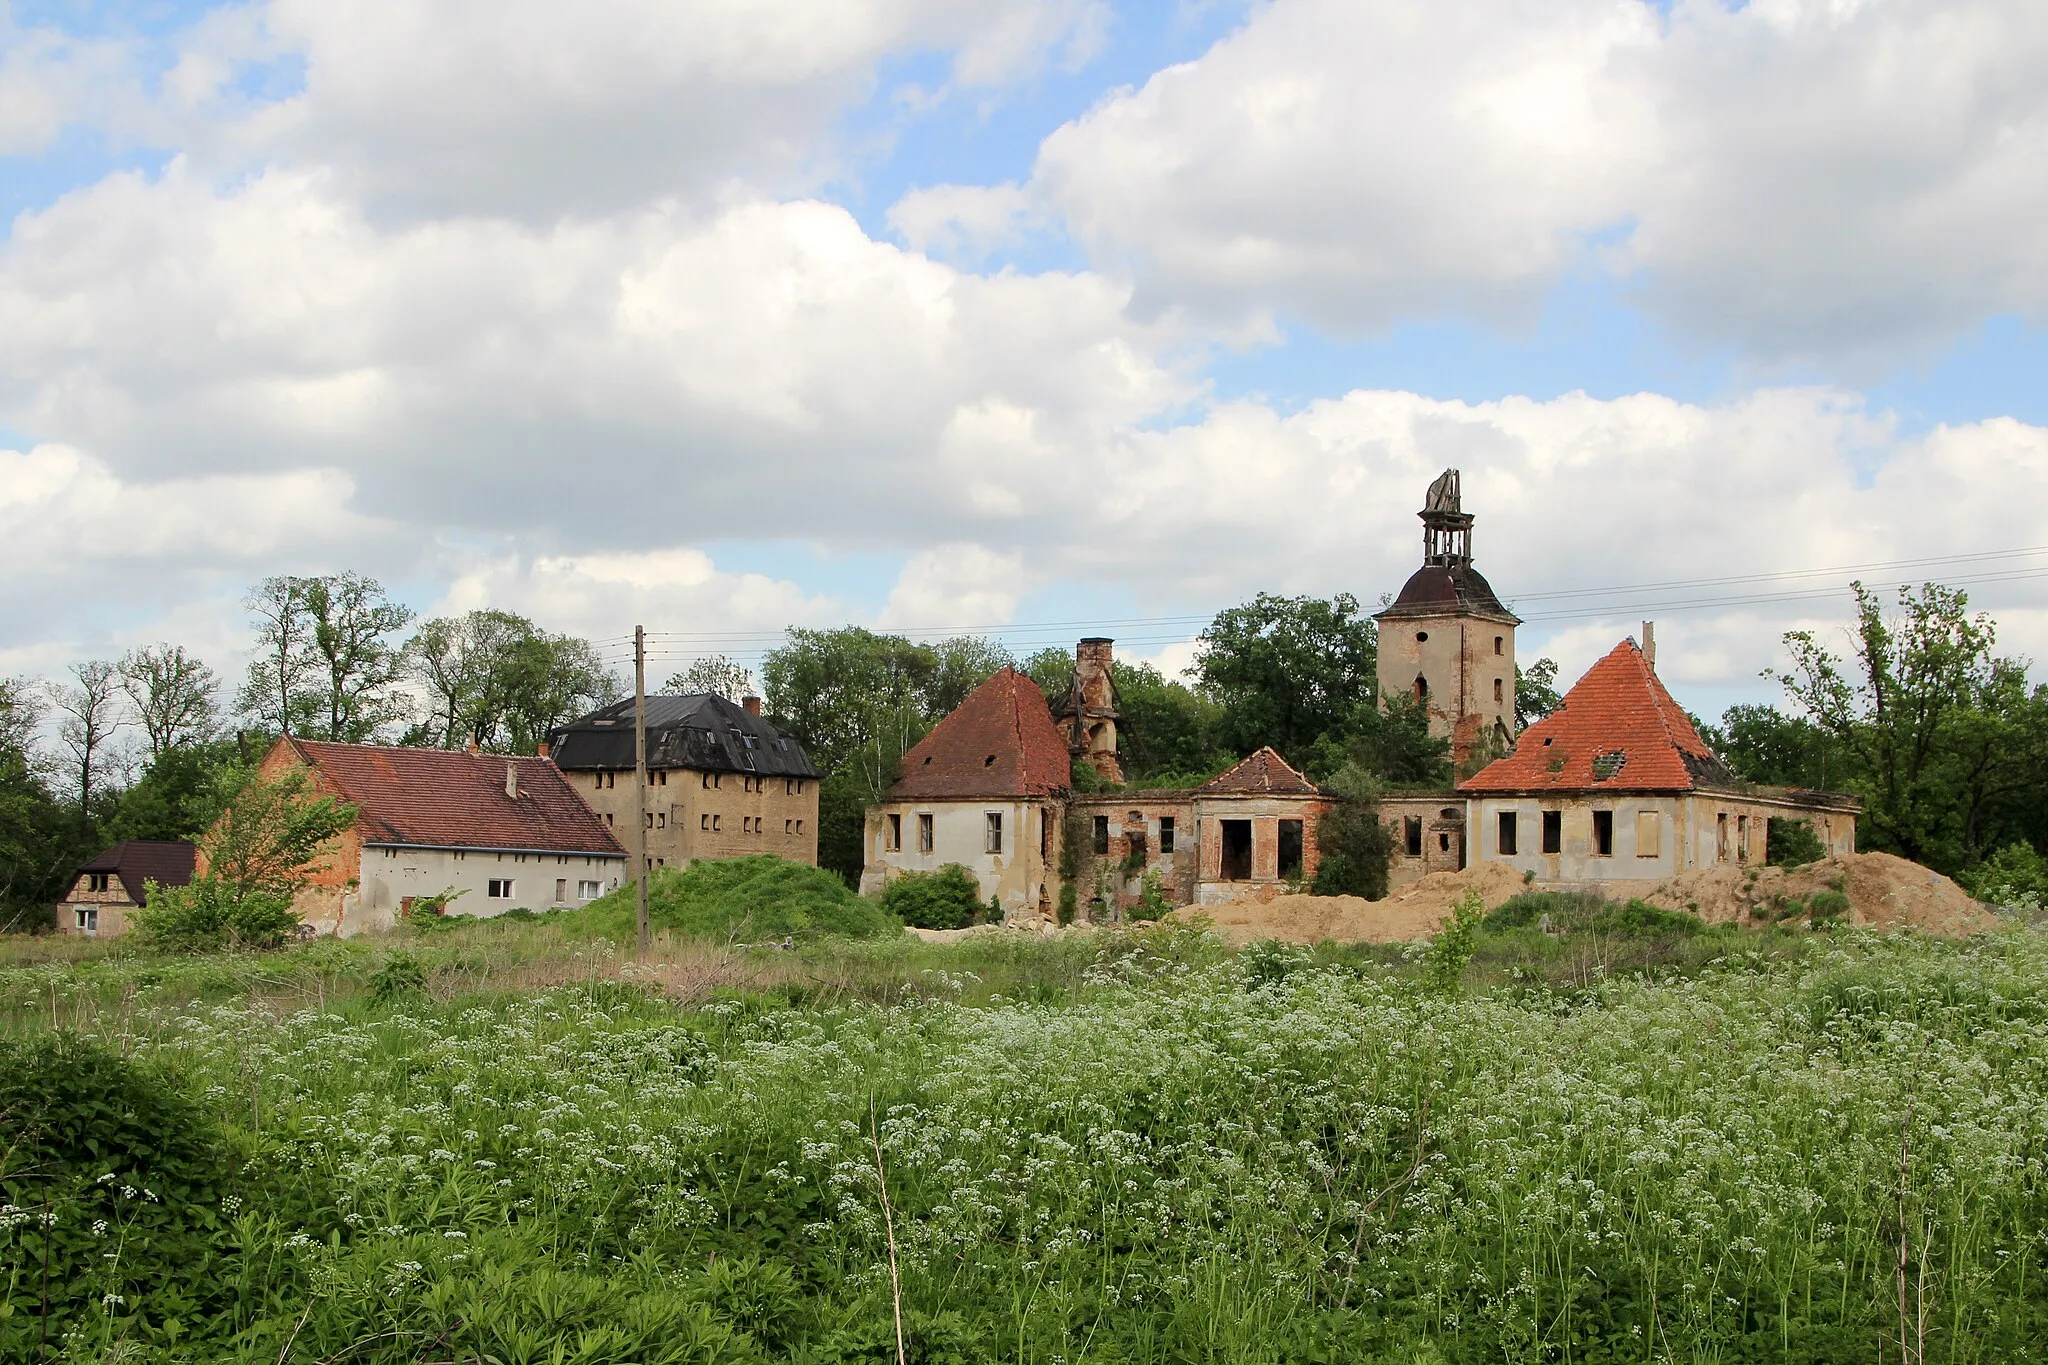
[[1168, 730], [715, 674], [1536, 694], [1354, 847], [552, 680], [37, 848], [1393, 746], [278, 691], [1924, 713], [179, 793], [1763, 744], [499, 682], [356, 666], [1287, 671], [172, 694]]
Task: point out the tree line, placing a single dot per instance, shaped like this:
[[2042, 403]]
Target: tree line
[[1919, 715]]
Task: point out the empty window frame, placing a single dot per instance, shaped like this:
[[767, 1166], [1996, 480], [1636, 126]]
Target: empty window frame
[[499, 888], [992, 831], [1102, 834], [1742, 838], [799, 827], [1411, 835], [1166, 834], [892, 832], [924, 832], [1500, 644], [1504, 837], [1291, 850], [1603, 834], [1236, 861], [86, 919], [1553, 831], [1649, 834], [1499, 691], [99, 881], [704, 821]]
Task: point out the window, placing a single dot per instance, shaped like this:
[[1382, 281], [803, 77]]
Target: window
[[789, 827], [500, 889], [1553, 831], [992, 832], [607, 817], [704, 821], [1421, 688], [705, 779], [1649, 835], [1102, 834], [1504, 843], [1166, 834], [799, 827], [86, 920], [561, 890], [1603, 834], [715, 822], [1498, 692], [892, 833], [650, 819], [664, 777], [599, 783], [1498, 642], [1721, 837], [98, 881], [587, 890], [661, 820], [1290, 850], [1236, 850], [1411, 835], [924, 832], [1742, 838], [1421, 637]]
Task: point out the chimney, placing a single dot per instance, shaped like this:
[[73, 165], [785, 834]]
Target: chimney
[[512, 780], [1094, 734], [752, 705], [473, 747], [1650, 644], [541, 749]]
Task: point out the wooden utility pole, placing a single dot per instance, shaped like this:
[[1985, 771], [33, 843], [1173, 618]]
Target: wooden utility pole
[[640, 784]]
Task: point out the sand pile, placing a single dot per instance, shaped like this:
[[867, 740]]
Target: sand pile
[[1884, 891], [1413, 912]]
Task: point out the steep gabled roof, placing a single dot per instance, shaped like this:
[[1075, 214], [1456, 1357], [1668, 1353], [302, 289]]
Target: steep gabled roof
[[696, 730], [440, 798], [1616, 730], [167, 862], [1264, 773], [999, 742]]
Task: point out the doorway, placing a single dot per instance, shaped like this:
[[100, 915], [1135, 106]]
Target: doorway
[[1237, 850]]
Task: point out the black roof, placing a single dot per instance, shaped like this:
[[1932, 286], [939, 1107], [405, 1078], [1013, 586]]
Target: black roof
[[137, 862], [1448, 590], [701, 730]]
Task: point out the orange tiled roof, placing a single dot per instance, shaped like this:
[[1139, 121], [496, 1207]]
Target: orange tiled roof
[[1000, 741], [1264, 773], [440, 798], [1616, 730]]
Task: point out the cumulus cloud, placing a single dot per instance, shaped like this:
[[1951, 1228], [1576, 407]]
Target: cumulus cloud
[[1796, 177], [959, 586]]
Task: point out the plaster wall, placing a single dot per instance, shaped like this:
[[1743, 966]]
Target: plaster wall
[[1655, 835], [1020, 876], [1469, 666], [693, 814], [111, 907], [1265, 815], [539, 881]]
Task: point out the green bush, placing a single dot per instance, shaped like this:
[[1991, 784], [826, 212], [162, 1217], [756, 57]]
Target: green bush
[[2015, 876], [207, 914], [946, 899], [1583, 912], [1792, 843], [1070, 903], [756, 899], [1354, 846], [118, 1186]]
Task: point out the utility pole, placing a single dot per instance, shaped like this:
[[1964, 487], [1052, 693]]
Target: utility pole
[[640, 784]]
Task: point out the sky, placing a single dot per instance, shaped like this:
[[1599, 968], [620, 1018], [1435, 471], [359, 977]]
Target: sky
[[1037, 318]]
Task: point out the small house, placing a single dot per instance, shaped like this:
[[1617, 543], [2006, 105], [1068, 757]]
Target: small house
[[111, 885]]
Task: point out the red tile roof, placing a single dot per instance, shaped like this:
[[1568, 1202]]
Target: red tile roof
[[137, 862], [439, 798], [1616, 730], [999, 742], [1264, 773]]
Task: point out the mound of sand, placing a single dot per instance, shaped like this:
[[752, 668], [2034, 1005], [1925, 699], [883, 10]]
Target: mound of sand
[[1411, 913], [1884, 892]]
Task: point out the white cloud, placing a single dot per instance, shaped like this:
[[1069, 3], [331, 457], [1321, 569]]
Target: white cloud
[[1799, 178], [50, 79], [956, 587], [964, 222]]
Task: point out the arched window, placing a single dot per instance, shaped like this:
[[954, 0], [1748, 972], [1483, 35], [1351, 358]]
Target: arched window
[[1498, 642], [1497, 690], [1421, 688]]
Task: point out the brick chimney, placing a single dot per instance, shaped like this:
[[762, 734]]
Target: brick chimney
[[1650, 644], [1093, 737], [541, 750], [752, 705], [512, 780]]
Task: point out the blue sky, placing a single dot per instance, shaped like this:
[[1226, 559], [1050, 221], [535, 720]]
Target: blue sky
[[1012, 313]]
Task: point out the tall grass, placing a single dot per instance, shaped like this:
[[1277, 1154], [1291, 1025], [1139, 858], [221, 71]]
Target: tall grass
[[1132, 1148]]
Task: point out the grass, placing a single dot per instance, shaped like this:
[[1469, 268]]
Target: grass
[[1629, 1139]]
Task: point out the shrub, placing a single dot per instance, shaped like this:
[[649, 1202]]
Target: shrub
[[2015, 876], [1583, 912], [945, 899], [1153, 902], [1070, 903], [1355, 849], [1443, 966], [755, 899], [207, 914], [121, 1181], [1792, 843]]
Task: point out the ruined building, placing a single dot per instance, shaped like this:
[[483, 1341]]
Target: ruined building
[[1446, 641]]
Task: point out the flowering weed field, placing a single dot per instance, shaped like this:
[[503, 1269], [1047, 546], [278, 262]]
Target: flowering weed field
[[1135, 1149]]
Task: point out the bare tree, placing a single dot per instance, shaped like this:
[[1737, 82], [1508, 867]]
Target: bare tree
[[276, 691], [172, 694], [91, 714]]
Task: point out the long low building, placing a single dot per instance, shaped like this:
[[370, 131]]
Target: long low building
[[490, 832]]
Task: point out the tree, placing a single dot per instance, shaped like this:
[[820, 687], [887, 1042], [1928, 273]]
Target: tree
[[172, 695], [715, 674], [837, 690], [1763, 744], [1052, 668], [499, 682], [1535, 692], [550, 680], [179, 793], [36, 840], [1394, 747], [91, 715], [1353, 846], [1167, 730], [277, 691], [1923, 712], [1287, 671], [357, 666]]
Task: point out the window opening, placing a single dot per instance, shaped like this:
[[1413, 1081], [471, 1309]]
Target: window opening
[[1499, 692], [1166, 834], [1603, 834], [1505, 840], [1649, 835], [1290, 850], [924, 832], [1742, 838], [1421, 688], [1102, 834], [1411, 835], [1498, 640], [892, 839], [88, 920], [1553, 831], [1237, 850], [500, 888], [588, 890], [561, 890]]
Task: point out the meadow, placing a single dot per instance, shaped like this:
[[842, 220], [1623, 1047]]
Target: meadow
[[514, 1143]]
